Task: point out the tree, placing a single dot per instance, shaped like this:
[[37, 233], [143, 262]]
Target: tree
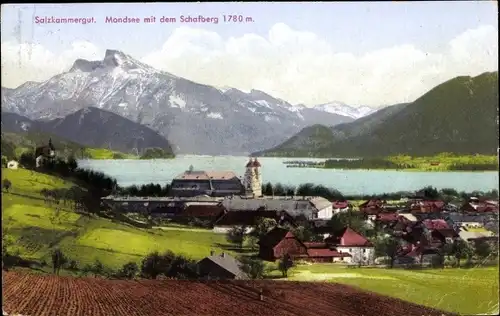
[[305, 233], [253, 267], [58, 260], [461, 250], [97, 267], [27, 159], [262, 227], [6, 184], [129, 270], [71, 163], [152, 265], [350, 219], [252, 242], [236, 235], [285, 264], [267, 189], [482, 249], [389, 247]]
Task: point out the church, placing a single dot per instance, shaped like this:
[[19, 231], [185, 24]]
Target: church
[[219, 183], [45, 153]]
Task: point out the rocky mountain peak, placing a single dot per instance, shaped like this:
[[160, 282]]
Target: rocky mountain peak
[[112, 59]]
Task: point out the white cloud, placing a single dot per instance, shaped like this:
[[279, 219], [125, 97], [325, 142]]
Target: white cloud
[[296, 66]]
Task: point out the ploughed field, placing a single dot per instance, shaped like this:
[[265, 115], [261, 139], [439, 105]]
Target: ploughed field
[[43, 295]]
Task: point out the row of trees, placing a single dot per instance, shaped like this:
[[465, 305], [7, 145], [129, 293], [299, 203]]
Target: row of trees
[[366, 163], [153, 266]]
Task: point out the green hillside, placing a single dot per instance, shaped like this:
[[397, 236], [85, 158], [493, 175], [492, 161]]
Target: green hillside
[[458, 116], [32, 228], [310, 141], [14, 144]]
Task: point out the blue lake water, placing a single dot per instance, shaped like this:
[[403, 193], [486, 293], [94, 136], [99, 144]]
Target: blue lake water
[[129, 172]]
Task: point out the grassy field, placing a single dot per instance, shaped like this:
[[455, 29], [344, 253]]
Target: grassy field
[[463, 291], [35, 228], [441, 162], [102, 153]]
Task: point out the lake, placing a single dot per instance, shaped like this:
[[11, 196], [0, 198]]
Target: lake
[[129, 172]]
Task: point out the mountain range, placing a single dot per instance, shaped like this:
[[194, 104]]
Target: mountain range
[[194, 118], [91, 127], [458, 116]]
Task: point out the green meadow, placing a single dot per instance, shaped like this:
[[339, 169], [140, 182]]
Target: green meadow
[[463, 291], [33, 228]]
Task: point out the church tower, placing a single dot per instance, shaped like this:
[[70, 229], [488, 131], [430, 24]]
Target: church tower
[[253, 179]]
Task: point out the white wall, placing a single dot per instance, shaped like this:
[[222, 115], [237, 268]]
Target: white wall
[[340, 210], [326, 213], [365, 255]]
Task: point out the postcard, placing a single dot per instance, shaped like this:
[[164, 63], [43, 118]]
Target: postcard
[[190, 158]]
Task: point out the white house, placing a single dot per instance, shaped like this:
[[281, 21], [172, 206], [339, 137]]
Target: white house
[[12, 164], [310, 207], [340, 206], [362, 251]]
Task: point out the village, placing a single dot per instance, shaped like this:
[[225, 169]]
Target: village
[[412, 231]]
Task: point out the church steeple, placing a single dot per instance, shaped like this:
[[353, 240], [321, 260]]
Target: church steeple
[[252, 180]]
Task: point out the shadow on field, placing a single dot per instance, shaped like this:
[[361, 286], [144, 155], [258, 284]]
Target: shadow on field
[[113, 251], [236, 249], [27, 196]]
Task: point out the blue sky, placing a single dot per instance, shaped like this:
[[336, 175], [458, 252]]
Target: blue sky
[[347, 27]]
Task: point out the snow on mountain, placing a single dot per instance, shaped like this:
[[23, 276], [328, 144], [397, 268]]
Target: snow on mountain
[[345, 110], [196, 118]]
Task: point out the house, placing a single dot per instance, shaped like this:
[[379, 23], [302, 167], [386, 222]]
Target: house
[[469, 220], [349, 241], [280, 242], [307, 207], [44, 153], [477, 206], [416, 254], [340, 206], [231, 219], [372, 207], [321, 252], [471, 236], [212, 183], [386, 219], [427, 206], [408, 217], [221, 266], [12, 164]]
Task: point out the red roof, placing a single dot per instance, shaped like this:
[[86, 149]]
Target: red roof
[[435, 224], [387, 217], [340, 204], [349, 238], [275, 236], [315, 253], [315, 245], [372, 203]]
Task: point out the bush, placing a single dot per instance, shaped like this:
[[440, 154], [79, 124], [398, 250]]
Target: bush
[[6, 184]]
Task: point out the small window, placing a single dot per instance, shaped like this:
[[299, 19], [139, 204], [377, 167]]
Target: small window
[[364, 250]]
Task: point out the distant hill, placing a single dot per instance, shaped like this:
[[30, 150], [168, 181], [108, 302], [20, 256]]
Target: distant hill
[[91, 127], [13, 144], [457, 116]]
